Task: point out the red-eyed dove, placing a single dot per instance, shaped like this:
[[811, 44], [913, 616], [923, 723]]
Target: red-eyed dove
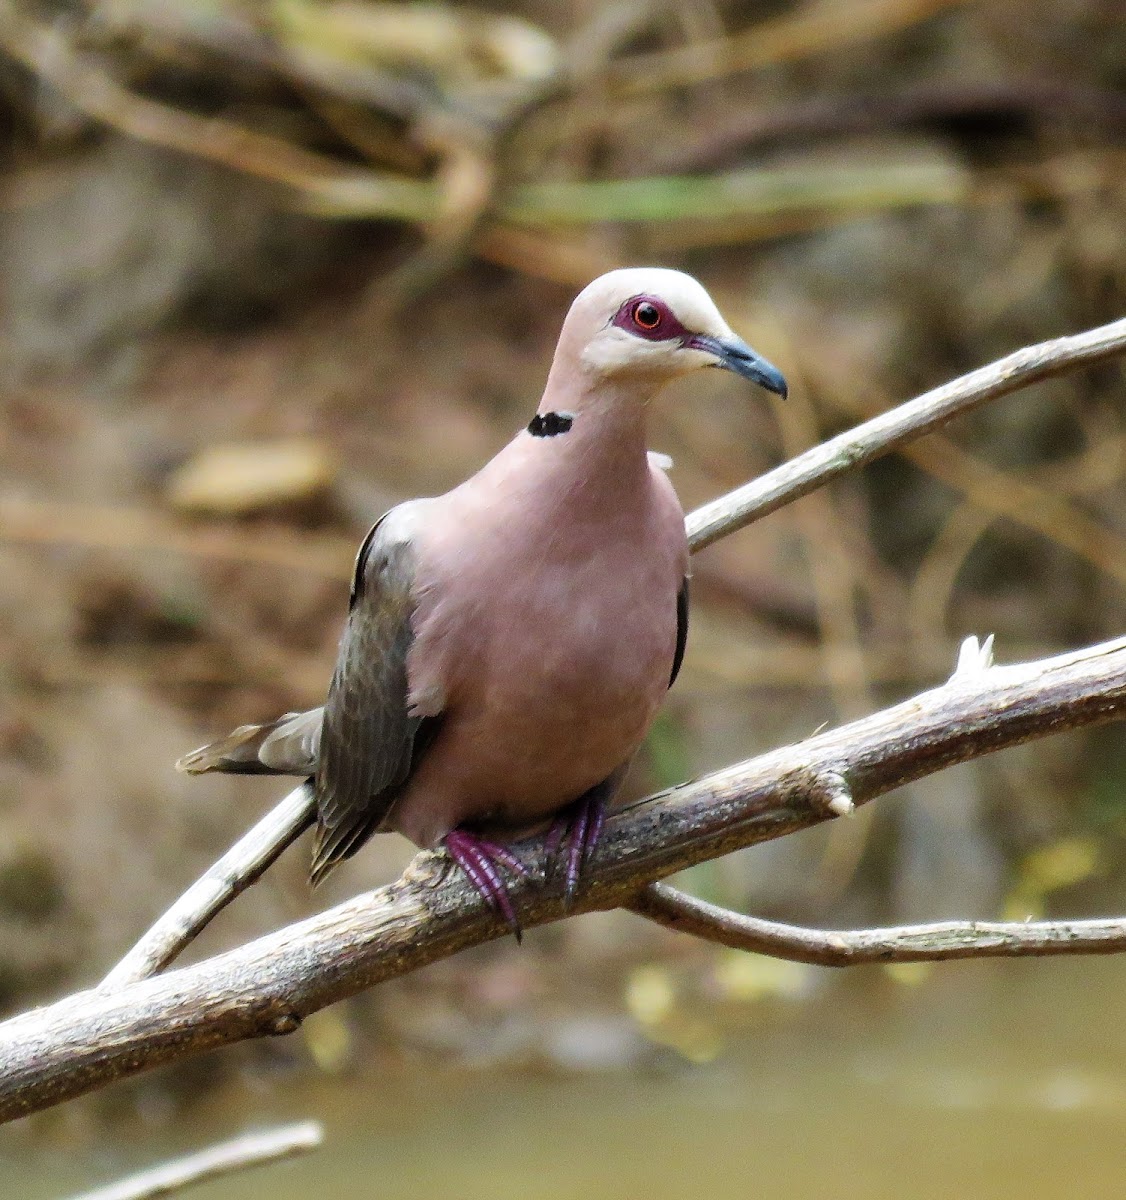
[[508, 644]]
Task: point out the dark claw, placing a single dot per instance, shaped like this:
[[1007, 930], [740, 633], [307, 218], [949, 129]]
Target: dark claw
[[582, 827], [478, 859]]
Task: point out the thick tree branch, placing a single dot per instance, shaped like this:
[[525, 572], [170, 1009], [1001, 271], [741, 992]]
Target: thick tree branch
[[899, 944], [270, 985], [251, 1150]]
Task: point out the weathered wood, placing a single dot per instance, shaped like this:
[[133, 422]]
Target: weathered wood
[[268, 986]]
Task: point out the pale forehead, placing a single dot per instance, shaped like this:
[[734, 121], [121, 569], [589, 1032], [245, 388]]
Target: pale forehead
[[686, 296]]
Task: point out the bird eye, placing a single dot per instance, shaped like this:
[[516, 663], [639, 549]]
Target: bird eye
[[646, 315]]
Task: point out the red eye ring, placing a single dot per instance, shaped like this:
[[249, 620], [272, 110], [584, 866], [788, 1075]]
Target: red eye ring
[[646, 315], [650, 318]]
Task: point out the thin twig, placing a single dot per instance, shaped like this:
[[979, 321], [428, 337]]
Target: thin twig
[[937, 942], [270, 985], [251, 1150], [183, 922], [917, 417], [241, 866]]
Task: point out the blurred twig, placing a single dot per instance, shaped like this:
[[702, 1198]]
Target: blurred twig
[[932, 102], [1098, 467], [938, 572], [250, 1150], [774, 191], [1044, 510], [302, 676], [715, 662], [243, 38], [815, 28], [831, 569], [333, 189], [1007, 495], [836, 590], [114, 528], [131, 529], [270, 985], [50, 55]]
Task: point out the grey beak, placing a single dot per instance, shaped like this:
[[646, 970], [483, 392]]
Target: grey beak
[[733, 354]]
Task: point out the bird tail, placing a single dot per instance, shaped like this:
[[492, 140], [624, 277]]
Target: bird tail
[[287, 746]]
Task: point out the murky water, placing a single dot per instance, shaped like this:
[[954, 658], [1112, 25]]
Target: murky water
[[989, 1081]]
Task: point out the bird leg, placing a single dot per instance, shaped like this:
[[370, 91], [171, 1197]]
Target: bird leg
[[581, 825], [481, 860]]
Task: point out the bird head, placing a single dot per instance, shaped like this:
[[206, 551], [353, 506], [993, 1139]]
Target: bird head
[[655, 324]]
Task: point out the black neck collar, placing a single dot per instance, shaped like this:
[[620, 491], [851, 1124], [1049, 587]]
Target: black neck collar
[[550, 424]]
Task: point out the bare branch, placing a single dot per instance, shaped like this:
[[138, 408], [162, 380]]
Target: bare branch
[[251, 1150], [241, 866], [268, 986], [891, 429], [898, 944]]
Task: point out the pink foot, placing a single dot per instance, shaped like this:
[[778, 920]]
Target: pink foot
[[480, 860], [582, 826]]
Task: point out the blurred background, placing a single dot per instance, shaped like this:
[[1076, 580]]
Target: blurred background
[[269, 268]]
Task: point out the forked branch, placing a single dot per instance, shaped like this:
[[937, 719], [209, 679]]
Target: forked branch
[[246, 861], [270, 985], [267, 987]]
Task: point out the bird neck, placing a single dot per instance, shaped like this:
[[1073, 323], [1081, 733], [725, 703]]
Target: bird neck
[[602, 422]]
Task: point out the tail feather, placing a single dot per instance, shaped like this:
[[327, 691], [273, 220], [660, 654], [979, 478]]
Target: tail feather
[[287, 746], [237, 752]]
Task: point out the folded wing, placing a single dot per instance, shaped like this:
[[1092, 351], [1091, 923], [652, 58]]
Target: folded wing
[[360, 747]]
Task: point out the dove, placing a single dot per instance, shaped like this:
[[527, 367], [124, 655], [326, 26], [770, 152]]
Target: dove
[[509, 643]]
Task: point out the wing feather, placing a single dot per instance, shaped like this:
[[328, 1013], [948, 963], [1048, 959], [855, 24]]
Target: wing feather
[[367, 742]]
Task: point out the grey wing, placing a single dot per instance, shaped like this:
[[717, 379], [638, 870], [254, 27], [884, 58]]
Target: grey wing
[[367, 740]]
